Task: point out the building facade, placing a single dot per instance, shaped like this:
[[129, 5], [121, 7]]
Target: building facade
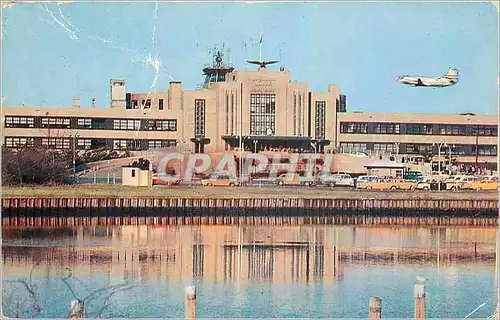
[[257, 110], [469, 138]]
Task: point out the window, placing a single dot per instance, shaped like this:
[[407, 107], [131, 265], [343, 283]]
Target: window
[[342, 103], [84, 123], [56, 143], [385, 147], [160, 144], [134, 104], [320, 119], [484, 130], [461, 150], [199, 118], [262, 114], [418, 149], [487, 150], [88, 123], [418, 129], [127, 144], [387, 128], [19, 122], [13, 142], [123, 124], [83, 143], [452, 130], [147, 105], [353, 127], [98, 143], [99, 123], [352, 147], [162, 125], [61, 123], [160, 104], [133, 173]]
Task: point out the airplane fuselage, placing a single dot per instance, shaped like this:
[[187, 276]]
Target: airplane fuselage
[[427, 82]]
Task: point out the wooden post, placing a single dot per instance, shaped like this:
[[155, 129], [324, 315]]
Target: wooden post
[[190, 302], [77, 308], [419, 291], [375, 308]]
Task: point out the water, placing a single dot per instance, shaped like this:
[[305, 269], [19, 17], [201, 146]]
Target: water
[[253, 271]]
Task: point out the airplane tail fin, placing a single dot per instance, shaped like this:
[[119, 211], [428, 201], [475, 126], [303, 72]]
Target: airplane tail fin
[[452, 75]]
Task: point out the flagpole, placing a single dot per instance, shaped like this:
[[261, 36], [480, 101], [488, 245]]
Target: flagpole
[[260, 47]]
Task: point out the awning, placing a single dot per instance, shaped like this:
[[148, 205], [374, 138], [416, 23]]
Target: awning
[[273, 141]]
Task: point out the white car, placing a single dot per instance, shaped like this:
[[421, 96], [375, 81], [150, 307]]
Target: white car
[[426, 184], [341, 180]]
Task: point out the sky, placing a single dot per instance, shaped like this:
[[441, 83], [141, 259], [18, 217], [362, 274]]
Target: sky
[[52, 52]]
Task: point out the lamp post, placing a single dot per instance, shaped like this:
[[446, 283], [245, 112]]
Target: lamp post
[[449, 159], [240, 160], [255, 145], [397, 148], [439, 145]]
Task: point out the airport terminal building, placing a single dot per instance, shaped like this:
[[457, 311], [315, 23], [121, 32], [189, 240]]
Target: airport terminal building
[[258, 109]]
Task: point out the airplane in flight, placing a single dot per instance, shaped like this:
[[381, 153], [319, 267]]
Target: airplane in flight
[[449, 79]]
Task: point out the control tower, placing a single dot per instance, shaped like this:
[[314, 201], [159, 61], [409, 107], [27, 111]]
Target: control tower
[[218, 70]]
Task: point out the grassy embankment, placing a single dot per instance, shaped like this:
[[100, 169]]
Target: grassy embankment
[[114, 191]]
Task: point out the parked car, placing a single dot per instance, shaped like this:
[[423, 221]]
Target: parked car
[[220, 180], [165, 182], [388, 184], [416, 176], [487, 183], [362, 180], [343, 180], [296, 180], [430, 184], [458, 182]]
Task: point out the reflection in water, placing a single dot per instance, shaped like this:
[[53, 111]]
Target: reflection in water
[[248, 271]]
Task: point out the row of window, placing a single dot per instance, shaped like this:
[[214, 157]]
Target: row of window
[[126, 124], [419, 129], [60, 123], [19, 122], [91, 123], [162, 125], [145, 104], [136, 144], [13, 142], [87, 123], [420, 149], [86, 143], [385, 147]]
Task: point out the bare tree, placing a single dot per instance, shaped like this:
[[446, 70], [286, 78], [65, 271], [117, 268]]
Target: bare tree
[[34, 165], [22, 300], [106, 293], [15, 299]]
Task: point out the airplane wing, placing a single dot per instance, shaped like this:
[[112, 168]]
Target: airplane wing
[[254, 62]]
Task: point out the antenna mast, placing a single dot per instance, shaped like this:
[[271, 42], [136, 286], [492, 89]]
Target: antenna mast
[[260, 47]]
